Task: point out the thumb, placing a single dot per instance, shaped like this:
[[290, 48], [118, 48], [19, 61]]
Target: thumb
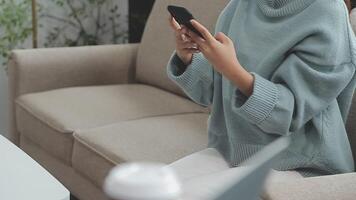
[[221, 37]]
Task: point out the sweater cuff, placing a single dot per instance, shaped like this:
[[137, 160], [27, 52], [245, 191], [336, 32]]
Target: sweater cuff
[[260, 104], [178, 65], [197, 70]]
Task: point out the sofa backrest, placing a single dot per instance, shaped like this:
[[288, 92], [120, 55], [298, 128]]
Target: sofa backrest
[[351, 121], [158, 40], [351, 127]]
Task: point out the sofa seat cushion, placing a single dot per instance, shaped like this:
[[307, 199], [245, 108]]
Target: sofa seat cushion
[[49, 118], [159, 139]]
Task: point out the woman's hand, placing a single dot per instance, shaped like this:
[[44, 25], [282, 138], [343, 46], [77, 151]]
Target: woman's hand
[[184, 45], [220, 51]]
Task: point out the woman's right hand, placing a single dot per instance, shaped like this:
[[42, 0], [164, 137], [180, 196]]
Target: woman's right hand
[[184, 45]]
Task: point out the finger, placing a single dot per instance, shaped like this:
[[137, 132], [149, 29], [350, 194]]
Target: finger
[[170, 22], [183, 47], [197, 39], [174, 24], [189, 45], [183, 30], [204, 31], [181, 38], [221, 37], [182, 35], [191, 50]]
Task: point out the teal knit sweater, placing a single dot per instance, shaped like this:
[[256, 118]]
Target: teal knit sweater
[[302, 54]]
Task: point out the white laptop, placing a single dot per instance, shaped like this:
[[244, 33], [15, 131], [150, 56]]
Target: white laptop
[[244, 183]]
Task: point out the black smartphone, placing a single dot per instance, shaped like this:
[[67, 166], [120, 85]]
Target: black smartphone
[[183, 17]]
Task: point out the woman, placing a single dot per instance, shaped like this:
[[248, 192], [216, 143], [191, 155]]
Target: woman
[[273, 68]]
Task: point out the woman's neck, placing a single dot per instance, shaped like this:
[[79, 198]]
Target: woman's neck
[[280, 8]]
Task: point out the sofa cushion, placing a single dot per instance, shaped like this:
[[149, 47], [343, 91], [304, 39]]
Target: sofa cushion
[[159, 139], [331, 187], [158, 40], [49, 118]]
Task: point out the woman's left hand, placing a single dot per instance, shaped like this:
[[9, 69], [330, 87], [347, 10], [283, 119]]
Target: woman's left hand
[[219, 50]]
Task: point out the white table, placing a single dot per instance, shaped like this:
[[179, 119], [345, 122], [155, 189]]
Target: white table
[[21, 178]]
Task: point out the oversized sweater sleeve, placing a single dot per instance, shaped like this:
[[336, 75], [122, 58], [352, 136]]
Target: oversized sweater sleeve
[[310, 78], [284, 107], [197, 80]]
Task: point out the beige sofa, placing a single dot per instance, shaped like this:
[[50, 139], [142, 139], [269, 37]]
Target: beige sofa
[[80, 111]]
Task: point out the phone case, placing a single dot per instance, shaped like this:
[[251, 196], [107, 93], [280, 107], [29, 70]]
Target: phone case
[[183, 17]]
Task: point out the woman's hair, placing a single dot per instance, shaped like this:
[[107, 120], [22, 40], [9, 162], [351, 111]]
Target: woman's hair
[[348, 3]]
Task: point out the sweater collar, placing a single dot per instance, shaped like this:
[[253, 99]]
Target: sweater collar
[[280, 8]]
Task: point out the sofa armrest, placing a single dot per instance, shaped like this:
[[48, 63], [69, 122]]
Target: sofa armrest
[[37, 70], [331, 187]]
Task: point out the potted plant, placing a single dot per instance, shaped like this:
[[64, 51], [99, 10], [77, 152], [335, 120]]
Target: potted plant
[[15, 29], [15, 26], [79, 23]]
